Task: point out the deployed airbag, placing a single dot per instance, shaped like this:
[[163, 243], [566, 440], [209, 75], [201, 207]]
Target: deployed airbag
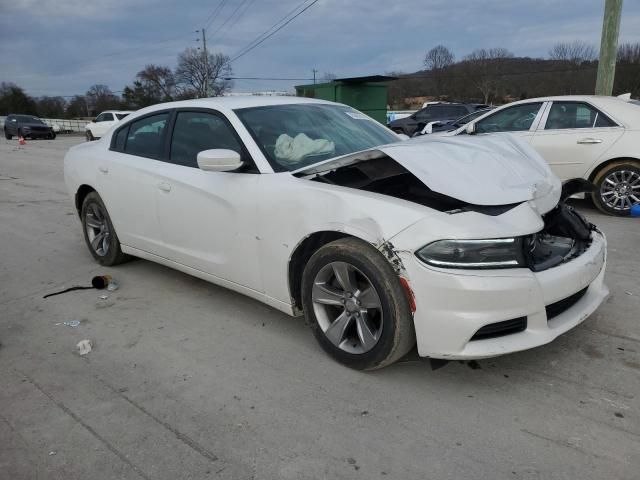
[[291, 150]]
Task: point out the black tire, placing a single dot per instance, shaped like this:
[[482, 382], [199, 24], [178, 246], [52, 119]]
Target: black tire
[[113, 254], [601, 193], [89, 136], [7, 135], [52, 136], [397, 334]]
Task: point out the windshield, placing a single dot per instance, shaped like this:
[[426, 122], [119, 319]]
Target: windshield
[[120, 116], [295, 136], [28, 119]]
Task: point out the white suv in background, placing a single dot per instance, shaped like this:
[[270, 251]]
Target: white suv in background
[[581, 136], [103, 122]]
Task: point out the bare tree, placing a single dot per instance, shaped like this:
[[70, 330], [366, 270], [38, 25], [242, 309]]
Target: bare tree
[[160, 80], [436, 60], [485, 68], [100, 97], [195, 74], [575, 52], [438, 57], [329, 77]]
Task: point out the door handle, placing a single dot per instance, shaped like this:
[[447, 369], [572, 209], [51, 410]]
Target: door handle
[[164, 186], [589, 140], [103, 169]]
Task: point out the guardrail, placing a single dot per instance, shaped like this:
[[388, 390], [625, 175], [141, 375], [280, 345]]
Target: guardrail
[[60, 125]]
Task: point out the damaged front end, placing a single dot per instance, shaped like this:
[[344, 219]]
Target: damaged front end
[[566, 235]]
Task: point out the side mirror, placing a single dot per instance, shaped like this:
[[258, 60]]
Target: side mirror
[[219, 160], [471, 128]]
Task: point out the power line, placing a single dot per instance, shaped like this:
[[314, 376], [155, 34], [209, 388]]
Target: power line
[[265, 36], [216, 11], [227, 20]]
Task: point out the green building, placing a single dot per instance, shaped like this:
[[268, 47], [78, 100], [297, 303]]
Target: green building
[[367, 94]]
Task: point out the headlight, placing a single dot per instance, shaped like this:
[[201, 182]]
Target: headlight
[[490, 253]]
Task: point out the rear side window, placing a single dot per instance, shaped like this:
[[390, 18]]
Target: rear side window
[[145, 136], [569, 115], [198, 131], [120, 116]]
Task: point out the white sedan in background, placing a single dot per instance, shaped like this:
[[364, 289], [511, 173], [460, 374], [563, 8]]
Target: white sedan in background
[[581, 136], [103, 122], [461, 244]]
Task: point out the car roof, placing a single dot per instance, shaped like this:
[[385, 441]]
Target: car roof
[[117, 111], [227, 104]]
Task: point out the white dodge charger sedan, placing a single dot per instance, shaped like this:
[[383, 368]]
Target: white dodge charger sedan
[[461, 245]]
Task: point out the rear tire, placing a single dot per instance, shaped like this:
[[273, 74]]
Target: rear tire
[[617, 187], [361, 328], [52, 136], [99, 234]]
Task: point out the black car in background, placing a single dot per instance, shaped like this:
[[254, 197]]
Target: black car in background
[[450, 125], [431, 113], [26, 126]]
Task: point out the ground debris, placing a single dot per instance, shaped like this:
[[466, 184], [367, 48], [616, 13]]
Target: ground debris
[[84, 346]]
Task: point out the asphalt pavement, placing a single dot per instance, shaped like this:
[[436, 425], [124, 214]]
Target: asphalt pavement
[[187, 380]]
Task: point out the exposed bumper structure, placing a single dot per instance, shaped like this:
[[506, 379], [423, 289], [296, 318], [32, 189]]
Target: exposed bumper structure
[[452, 306]]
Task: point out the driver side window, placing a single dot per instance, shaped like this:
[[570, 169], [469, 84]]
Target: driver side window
[[513, 119]]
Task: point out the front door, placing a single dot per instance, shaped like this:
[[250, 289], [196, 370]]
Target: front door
[[520, 120], [209, 219]]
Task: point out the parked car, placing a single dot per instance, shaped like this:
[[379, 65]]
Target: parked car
[[581, 136], [436, 111], [450, 125], [103, 122], [26, 126], [314, 208]]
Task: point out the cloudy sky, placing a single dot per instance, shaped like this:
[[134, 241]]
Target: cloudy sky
[[61, 47]]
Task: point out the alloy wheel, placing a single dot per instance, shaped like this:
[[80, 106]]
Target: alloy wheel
[[620, 190], [97, 228], [347, 307]]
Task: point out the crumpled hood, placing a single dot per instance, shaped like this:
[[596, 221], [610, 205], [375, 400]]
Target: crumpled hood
[[480, 170]]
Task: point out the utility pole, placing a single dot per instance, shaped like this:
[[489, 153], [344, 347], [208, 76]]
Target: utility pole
[[608, 47], [206, 63], [314, 74]]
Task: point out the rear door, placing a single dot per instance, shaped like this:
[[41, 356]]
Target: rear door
[[520, 120], [574, 135], [127, 180], [209, 219]]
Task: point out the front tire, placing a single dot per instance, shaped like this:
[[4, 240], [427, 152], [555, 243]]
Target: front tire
[[7, 135], [617, 187], [89, 136], [99, 234], [356, 307]]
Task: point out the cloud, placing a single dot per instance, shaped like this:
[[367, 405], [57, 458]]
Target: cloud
[[64, 47]]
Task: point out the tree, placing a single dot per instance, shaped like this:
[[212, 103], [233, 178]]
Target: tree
[[628, 69], [485, 69], [575, 52], [51, 107], [13, 99], [77, 107], [436, 60], [329, 77], [100, 97], [153, 84], [200, 76], [159, 80], [438, 57]]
